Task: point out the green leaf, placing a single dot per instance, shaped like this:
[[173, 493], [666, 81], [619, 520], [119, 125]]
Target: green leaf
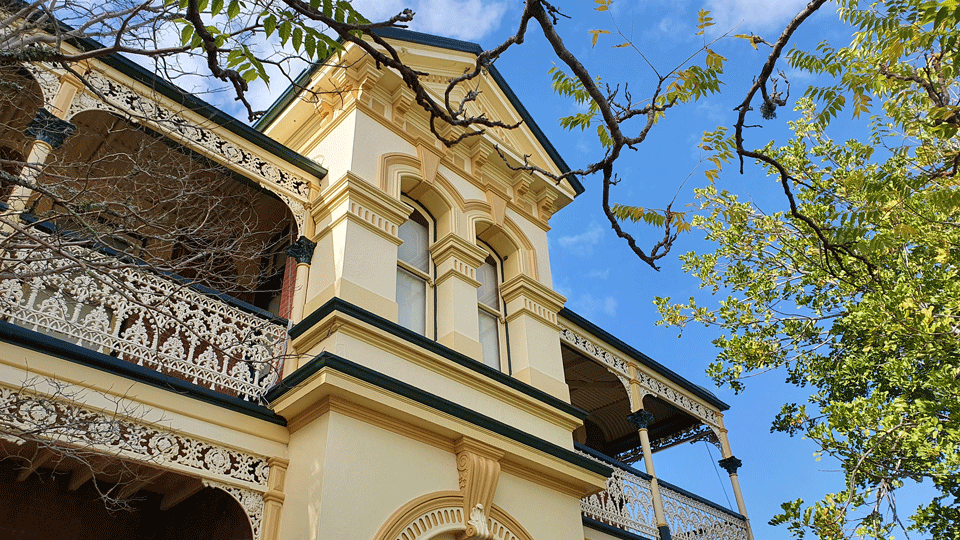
[[216, 7], [233, 10]]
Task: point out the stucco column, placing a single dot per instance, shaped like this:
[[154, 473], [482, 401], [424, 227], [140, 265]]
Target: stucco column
[[458, 322], [356, 254], [731, 464], [535, 334], [273, 498], [49, 130], [641, 419], [302, 252]]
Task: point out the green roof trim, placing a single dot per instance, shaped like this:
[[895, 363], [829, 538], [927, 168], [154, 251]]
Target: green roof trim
[[365, 374], [444, 43], [695, 389], [342, 306]]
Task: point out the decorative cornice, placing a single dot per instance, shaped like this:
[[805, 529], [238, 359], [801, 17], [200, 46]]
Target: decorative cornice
[[730, 464], [47, 128], [641, 419], [527, 296], [302, 250]]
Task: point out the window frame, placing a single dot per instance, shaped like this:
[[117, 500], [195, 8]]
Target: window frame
[[503, 340], [429, 277]]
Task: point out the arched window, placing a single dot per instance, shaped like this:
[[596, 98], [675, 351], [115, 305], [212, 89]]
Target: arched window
[[491, 312], [414, 271]]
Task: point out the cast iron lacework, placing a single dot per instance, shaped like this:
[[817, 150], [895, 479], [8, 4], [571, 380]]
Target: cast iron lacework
[[651, 384], [700, 432], [250, 501], [627, 503], [293, 189], [170, 328], [691, 519], [67, 423]]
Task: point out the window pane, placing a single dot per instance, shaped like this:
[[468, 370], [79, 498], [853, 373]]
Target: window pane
[[412, 299], [416, 241], [490, 339], [488, 293]]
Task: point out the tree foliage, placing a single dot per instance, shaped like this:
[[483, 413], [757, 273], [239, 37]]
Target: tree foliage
[[853, 289]]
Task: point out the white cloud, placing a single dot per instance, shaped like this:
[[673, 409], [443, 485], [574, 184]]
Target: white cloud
[[582, 244], [469, 20], [755, 15], [599, 274], [590, 306]]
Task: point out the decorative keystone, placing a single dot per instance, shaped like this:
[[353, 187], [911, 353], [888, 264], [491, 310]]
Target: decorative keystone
[[730, 464], [302, 250], [640, 419], [46, 127]]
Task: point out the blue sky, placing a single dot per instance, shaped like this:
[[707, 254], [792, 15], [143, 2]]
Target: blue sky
[[606, 283]]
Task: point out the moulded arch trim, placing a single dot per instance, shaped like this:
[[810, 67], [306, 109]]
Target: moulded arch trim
[[433, 514], [504, 243], [529, 252], [394, 166]]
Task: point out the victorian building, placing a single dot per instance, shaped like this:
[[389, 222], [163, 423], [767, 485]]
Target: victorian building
[[400, 367]]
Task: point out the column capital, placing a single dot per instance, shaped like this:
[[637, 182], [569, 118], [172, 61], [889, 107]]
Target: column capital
[[730, 464], [49, 129], [456, 257], [302, 250], [354, 199], [527, 296], [640, 419]]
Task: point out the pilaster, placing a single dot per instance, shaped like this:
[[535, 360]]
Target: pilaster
[[535, 334], [458, 324], [273, 498], [356, 254]]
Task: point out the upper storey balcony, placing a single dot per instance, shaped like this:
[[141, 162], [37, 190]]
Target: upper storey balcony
[[137, 229], [638, 408]]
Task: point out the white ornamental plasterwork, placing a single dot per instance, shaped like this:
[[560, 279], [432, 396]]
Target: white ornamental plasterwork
[[49, 83], [661, 389], [291, 188], [41, 417], [606, 357], [652, 385], [249, 500]]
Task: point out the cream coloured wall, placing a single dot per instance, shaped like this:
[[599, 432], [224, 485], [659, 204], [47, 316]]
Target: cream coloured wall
[[545, 513]]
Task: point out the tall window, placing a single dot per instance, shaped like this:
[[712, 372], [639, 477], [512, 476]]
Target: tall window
[[414, 284], [491, 311]]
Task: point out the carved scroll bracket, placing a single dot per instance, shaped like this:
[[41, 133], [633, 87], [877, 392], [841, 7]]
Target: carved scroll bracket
[[479, 470]]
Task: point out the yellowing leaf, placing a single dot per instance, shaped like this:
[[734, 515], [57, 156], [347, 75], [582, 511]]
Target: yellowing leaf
[[596, 35]]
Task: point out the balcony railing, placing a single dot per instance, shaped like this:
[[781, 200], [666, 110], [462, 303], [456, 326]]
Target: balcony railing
[[148, 319], [627, 504]]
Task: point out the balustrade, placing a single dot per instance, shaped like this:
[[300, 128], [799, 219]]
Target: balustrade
[[627, 503], [141, 317]]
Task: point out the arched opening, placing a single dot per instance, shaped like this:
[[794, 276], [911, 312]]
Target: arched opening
[[20, 99], [596, 390], [124, 189], [600, 392], [85, 495]]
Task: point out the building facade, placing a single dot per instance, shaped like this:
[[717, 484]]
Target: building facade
[[391, 362]]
